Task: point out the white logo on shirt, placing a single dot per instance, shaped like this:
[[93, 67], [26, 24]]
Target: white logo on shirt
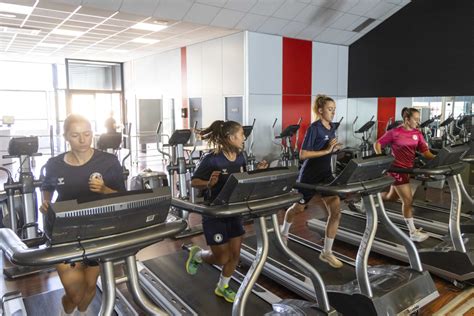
[[415, 137], [224, 171], [60, 181], [326, 137]]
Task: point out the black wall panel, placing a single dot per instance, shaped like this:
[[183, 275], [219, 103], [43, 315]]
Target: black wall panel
[[425, 49]]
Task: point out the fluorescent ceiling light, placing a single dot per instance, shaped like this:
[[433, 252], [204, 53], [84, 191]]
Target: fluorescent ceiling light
[[119, 51], [142, 40], [67, 32], [15, 8], [19, 30], [7, 15], [52, 45], [154, 27]]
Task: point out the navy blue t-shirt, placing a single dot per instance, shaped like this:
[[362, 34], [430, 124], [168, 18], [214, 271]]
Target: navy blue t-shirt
[[317, 138], [72, 182], [211, 162]]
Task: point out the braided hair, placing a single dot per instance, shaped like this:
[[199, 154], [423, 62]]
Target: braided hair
[[217, 135]]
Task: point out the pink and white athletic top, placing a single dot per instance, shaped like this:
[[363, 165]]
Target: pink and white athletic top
[[404, 144]]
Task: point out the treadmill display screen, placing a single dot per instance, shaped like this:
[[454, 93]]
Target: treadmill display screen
[[363, 169], [74, 220], [255, 185], [447, 155]]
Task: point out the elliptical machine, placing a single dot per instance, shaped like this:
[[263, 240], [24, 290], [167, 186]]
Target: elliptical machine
[[366, 147], [178, 165], [248, 154], [425, 128], [289, 155], [20, 211]]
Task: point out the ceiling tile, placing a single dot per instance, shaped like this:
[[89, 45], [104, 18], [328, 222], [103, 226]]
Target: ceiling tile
[[345, 21], [240, 5], [65, 7], [266, 7], [227, 18], [356, 23], [310, 32], [50, 13], [327, 17], [394, 10], [379, 10], [289, 10], [119, 23], [110, 5], [87, 18], [293, 28], [251, 22], [324, 3], [172, 9], [127, 17], [309, 14], [330, 35], [201, 13], [140, 7], [343, 5], [273, 25], [363, 6]]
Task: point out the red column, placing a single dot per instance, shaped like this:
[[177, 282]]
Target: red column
[[385, 110], [296, 98]]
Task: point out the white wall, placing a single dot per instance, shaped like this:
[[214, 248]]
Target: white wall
[[215, 69], [265, 60], [364, 108]]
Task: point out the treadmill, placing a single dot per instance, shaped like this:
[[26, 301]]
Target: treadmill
[[109, 230], [255, 194], [356, 288], [450, 256]]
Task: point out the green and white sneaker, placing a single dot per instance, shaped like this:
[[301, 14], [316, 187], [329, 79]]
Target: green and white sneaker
[[192, 263], [227, 293]]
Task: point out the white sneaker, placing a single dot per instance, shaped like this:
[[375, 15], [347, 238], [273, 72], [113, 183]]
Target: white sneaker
[[418, 235], [331, 259]]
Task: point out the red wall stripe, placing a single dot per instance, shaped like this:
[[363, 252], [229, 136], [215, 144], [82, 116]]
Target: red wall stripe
[[385, 110], [296, 98], [184, 86]]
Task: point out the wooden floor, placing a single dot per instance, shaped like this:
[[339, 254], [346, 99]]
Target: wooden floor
[[44, 282]]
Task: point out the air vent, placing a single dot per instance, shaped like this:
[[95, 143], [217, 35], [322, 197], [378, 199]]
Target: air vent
[[363, 25]]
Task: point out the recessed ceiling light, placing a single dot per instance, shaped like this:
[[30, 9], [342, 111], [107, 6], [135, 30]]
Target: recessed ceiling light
[[19, 30], [142, 40], [7, 15], [52, 45], [15, 8], [67, 32], [155, 27]]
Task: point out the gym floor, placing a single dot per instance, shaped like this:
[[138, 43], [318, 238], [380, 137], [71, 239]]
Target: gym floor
[[457, 301]]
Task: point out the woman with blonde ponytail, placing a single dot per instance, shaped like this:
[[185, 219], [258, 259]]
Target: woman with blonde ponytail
[[318, 145]]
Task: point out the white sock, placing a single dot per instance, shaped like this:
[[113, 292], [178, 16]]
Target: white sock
[[410, 224], [328, 244], [223, 282], [198, 256], [285, 230]]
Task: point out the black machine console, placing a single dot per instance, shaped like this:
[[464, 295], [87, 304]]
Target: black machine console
[[180, 136], [74, 220], [448, 155], [109, 141], [23, 146], [258, 184], [289, 131], [363, 169]]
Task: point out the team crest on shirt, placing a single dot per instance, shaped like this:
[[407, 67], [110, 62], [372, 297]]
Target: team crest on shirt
[[415, 137], [60, 181], [218, 238]]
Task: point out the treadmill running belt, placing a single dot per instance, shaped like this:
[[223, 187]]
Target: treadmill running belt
[[198, 290], [330, 275], [424, 213], [357, 224], [49, 303]]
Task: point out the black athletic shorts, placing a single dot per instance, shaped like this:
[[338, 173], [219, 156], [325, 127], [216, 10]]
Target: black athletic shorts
[[219, 231], [308, 194]]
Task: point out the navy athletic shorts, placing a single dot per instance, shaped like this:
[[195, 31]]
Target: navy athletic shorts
[[308, 194], [218, 231]]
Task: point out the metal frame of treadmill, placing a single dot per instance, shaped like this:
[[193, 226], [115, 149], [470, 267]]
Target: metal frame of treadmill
[[259, 210]]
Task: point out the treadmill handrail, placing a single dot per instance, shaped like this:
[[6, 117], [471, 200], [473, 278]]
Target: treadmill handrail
[[253, 208], [368, 186], [104, 247], [441, 170]]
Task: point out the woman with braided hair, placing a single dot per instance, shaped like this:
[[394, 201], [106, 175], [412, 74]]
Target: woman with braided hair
[[223, 235]]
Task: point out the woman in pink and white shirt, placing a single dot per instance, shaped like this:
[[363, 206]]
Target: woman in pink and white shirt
[[405, 141]]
